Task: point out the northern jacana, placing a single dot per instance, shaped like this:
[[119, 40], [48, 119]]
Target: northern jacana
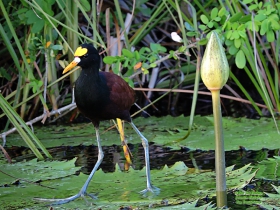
[[102, 96]]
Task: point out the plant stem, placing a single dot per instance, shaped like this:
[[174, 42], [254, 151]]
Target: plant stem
[[219, 150]]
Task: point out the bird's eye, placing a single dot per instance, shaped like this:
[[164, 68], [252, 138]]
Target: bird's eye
[[85, 55]]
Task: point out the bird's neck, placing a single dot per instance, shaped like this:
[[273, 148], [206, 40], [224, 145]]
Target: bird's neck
[[90, 75]]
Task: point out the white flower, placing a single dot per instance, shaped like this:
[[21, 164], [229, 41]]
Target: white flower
[[176, 37]]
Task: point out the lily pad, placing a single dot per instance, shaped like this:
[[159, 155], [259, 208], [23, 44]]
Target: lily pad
[[251, 134], [114, 189]]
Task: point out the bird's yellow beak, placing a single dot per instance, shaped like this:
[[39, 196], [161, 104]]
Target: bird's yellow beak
[[79, 52]]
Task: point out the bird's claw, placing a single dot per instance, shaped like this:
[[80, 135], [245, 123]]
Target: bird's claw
[[59, 201], [151, 189]]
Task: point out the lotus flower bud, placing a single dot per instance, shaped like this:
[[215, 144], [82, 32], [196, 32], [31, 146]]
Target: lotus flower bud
[[214, 65]]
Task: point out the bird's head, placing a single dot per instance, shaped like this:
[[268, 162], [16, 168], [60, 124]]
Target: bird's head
[[85, 56]]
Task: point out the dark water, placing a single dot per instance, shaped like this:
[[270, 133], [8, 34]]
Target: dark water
[[159, 157]]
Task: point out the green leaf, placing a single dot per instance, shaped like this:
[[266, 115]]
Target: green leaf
[[210, 24], [204, 19], [242, 34], [245, 19], [253, 7], [249, 25], [237, 43], [236, 17], [136, 55], [228, 34], [202, 27], [203, 41], [188, 26], [57, 47], [4, 73], [228, 42], [217, 19], [260, 17], [235, 35], [182, 49], [38, 26], [31, 17], [264, 27], [222, 12], [110, 59], [270, 36], [127, 53], [241, 27], [214, 13], [191, 33], [85, 4], [240, 59], [232, 50], [247, 1], [274, 25], [157, 48]]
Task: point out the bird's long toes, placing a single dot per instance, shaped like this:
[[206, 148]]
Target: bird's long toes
[[151, 189], [93, 196]]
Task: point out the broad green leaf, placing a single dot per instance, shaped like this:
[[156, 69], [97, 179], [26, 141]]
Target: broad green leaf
[[270, 36], [189, 27], [214, 13], [250, 25], [240, 59], [222, 12], [202, 27], [57, 47], [109, 59], [85, 4], [204, 19], [247, 1], [241, 27], [234, 35], [236, 17], [127, 53], [217, 19], [136, 55], [203, 41], [4, 73], [229, 42], [191, 33], [210, 24], [245, 19], [264, 27], [253, 7], [242, 34], [237, 43], [38, 26], [233, 50], [228, 34], [274, 25], [260, 17]]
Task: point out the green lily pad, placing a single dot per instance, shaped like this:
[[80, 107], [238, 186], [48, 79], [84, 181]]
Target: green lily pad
[[269, 169], [251, 134], [114, 189]]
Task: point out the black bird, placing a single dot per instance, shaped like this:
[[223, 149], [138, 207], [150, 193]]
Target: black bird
[[102, 96]]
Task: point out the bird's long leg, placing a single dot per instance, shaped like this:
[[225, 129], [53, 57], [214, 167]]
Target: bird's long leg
[[145, 144], [82, 192]]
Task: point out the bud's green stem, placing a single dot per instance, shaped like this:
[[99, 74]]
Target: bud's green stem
[[214, 73]]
